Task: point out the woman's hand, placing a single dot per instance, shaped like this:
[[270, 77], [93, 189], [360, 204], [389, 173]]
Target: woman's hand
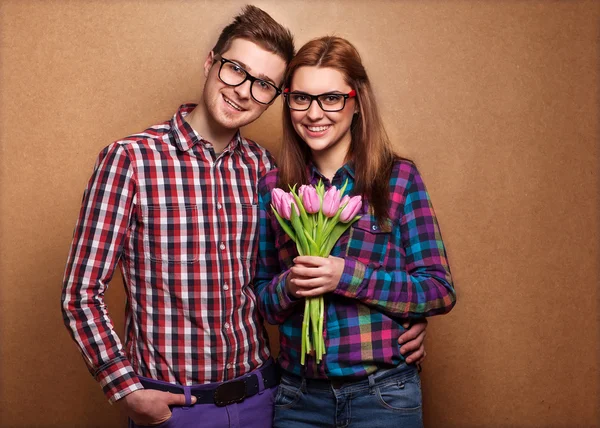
[[313, 276], [413, 341]]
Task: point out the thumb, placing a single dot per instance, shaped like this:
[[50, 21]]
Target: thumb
[[177, 399]]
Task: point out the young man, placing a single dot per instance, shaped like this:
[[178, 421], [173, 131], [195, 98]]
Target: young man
[[175, 206]]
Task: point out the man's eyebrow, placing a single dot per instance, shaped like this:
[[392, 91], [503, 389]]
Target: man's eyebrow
[[248, 69]]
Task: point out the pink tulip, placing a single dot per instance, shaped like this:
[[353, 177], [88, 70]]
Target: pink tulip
[[301, 190], [331, 201], [287, 203], [344, 200], [277, 198], [351, 209], [310, 199]]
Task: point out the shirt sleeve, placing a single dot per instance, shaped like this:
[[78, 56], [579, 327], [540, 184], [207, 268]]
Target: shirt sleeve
[[106, 212], [274, 301], [424, 286]]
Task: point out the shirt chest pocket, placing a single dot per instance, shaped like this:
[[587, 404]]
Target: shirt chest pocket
[[171, 233], [368, 243]]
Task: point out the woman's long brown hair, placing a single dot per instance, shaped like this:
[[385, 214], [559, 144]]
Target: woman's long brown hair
[[370, 149]]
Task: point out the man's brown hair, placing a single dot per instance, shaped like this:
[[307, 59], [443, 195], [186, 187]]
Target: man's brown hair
[[257, 26]]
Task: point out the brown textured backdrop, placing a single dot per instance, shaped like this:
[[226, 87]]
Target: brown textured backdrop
[[496, 101]]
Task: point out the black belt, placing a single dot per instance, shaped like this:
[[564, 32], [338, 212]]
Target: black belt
[[234, 391], [335, 383]]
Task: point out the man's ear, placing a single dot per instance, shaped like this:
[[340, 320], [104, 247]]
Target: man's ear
[[210, 59]]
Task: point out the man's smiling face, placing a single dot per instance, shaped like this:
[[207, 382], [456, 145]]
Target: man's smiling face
[[232, 107]]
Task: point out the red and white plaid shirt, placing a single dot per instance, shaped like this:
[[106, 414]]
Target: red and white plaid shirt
[[182, 224]]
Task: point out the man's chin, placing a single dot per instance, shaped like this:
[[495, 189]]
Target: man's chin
[[234, 123]]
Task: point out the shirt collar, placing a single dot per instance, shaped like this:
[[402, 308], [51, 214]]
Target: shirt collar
[[186, 137], [347, 170]]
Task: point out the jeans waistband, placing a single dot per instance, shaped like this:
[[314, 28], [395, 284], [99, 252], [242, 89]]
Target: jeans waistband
[[403, 370]]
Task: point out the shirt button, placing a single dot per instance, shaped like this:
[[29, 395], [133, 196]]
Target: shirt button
[[228, 365], [374, 227], [222, 246], [227, 326], [225, 287], [219, 206]]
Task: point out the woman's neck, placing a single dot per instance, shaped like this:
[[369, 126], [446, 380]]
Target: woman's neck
[[328, 162]]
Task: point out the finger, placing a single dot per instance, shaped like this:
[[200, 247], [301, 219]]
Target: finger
[[313, 292], [307, 283], [415, 330], [176, 399], [309, 260], [417, 357], [303, 272], [414, 344], [308, 271]]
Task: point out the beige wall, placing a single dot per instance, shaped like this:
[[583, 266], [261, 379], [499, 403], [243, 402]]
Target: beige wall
[[497, 102]]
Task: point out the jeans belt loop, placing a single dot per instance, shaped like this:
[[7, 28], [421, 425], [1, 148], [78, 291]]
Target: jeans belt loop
[[371, 383], [187, 391], [303, 385], [261, 382]]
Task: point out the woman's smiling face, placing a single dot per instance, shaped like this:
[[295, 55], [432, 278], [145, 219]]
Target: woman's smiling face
[[324, 132]]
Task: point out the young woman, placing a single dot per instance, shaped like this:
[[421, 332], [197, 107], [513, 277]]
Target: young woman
[[389, 267]]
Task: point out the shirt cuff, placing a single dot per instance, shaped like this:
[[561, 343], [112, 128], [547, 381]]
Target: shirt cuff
[[352, 278], [286, 300], [118, 380]]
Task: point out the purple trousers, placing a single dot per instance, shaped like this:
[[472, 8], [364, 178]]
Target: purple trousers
[[254, 412]]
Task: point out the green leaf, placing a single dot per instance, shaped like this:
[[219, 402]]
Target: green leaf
[[343, 189], [303, 215], [334, 236], [332, 223], [312, 245], [284, 225], [301, 243]]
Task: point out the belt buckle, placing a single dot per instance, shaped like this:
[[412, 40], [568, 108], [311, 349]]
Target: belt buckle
[[230, 392]]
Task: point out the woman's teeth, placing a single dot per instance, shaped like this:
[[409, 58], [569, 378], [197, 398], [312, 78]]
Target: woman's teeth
[[317, 128]]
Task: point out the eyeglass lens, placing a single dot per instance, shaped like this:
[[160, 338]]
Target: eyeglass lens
[[234, 75], [327, 102]]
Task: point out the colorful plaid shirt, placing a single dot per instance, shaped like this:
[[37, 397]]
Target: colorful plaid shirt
[[181, 222], [388, 278]]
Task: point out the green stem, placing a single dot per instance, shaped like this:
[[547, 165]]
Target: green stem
[[305, 323]]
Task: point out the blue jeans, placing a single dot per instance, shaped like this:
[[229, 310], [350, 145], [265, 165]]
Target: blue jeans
[[387, 398]]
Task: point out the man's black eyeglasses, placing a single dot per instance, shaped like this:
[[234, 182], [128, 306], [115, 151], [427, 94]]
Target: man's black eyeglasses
[[233, 74]]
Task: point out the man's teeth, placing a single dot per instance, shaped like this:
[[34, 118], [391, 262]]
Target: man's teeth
[[232, 104], [317, 128]]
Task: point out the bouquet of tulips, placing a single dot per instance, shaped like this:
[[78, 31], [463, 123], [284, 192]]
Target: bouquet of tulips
[[314, 219]]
